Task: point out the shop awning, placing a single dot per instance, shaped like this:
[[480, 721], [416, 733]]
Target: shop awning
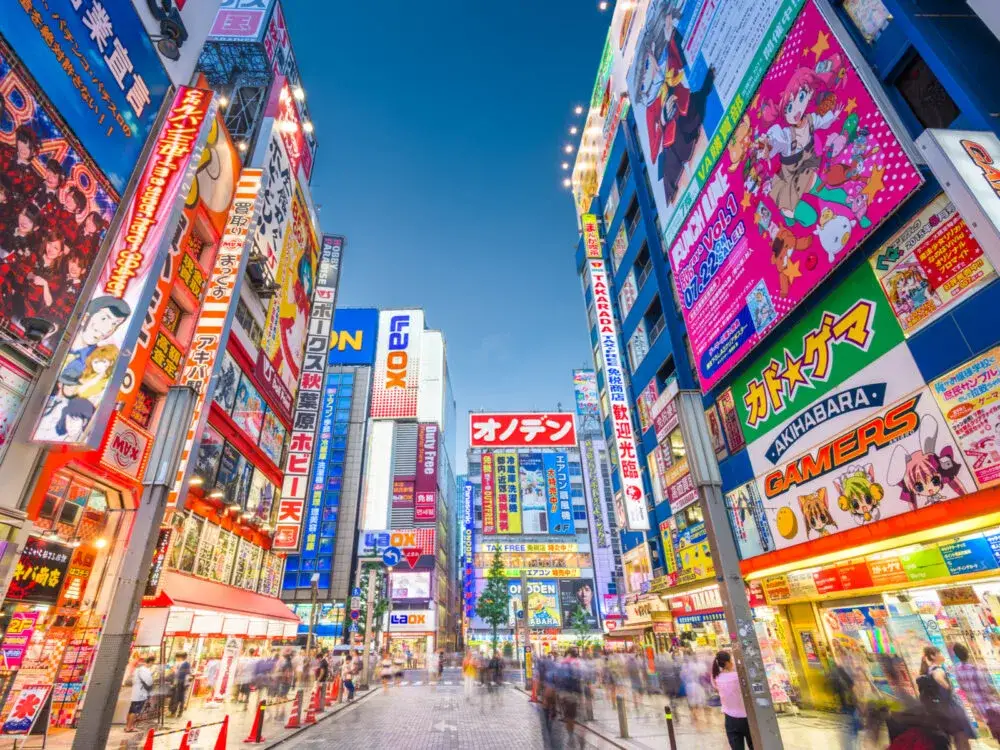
[[197, 593]]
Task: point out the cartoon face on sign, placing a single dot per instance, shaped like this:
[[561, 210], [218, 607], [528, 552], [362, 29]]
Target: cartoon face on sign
[[859, 494], [816, 513], [924, 474]]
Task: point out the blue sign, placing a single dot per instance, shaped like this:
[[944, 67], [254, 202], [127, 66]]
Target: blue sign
[[353, 628], [352, 341], [559, 505], [971, 555], [355, 614], [94, 60], [355, 591], [391, 557]]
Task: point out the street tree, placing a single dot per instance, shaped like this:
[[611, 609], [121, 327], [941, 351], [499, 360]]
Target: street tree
[[494, 602]]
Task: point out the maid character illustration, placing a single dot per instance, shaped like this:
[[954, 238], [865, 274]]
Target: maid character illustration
[[923, 475], [293, 327]]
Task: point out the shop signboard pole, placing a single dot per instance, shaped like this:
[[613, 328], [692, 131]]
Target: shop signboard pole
[[114, 647], [704, 470], [368, 625], [527, 628]]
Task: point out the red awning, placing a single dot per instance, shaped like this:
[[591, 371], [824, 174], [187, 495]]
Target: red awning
[[187, 591]]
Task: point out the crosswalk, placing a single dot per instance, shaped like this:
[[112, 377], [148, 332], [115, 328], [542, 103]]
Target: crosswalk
[[418, 683]]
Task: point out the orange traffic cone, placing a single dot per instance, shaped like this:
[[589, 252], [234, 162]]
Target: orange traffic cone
[[185, 745], [311, 711], [220, 741], [257, 730], [534, 691], [148, 744], [295, 716]]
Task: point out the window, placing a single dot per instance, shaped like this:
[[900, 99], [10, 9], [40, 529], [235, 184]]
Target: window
[[172, 316], [247, 321], [870, 17], [623, 173], [926, 97], [574, 470], [632, 217], [643, 265], [655, 322], [145, 406]]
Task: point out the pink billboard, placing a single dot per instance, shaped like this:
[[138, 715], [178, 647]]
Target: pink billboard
[[425, 508], [810, 171]]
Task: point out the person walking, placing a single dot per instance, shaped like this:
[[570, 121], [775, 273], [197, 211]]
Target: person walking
[[727, 682], [347, 677], [142, 688], [386, 671], [178, 692], [978, 688], [938, 695], [570, 690], [469, 675], [284, 675], [244, 676]]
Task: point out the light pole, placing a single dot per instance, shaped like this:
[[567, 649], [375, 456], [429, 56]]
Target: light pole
[[313, 596]]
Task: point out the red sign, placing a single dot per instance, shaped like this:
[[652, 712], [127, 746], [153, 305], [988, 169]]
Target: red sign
[[411, 555], [126, 448], [855, 576], [273, 387], [827, 580], [533, 430], [755, 594]]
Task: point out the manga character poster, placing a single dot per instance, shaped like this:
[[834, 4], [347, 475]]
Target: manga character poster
[[288, 312], [54, 210], [811, 170], [248, 409]]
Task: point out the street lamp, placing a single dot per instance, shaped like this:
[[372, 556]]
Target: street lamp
[[313, 595]]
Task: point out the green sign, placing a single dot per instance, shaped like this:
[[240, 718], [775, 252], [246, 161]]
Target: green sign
[[924, 564], [848, 330]]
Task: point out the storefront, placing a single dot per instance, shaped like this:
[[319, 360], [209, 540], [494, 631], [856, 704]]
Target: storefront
[[414, 632]]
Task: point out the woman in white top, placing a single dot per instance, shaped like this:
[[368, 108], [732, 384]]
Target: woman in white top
[[727, 682]]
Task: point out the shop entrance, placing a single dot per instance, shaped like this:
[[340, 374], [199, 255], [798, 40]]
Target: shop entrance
[[412, 649]]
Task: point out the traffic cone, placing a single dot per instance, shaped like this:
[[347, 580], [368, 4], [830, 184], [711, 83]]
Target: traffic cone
[[220, 741], [295, 717], [257, 730], [311, 711], [185, 745], [534, 691], [148, 744]]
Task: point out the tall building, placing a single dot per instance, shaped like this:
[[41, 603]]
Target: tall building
[[805, 235], [527, 491], [327, 551], [408, 491]]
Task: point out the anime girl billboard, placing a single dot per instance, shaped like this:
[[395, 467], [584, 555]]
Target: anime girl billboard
[[811, 170]]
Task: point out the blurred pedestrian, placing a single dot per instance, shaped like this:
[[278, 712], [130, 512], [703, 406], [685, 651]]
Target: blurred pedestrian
[[142, 688], [938, 695], [570, 692], [386, 671], [609, 680], [244, 676], [347, 677], [178, 693], [440, 664], [693, 677], [284, 675], [636, 678], [469, 674], [398, 667], [979, 689], [727, 682]]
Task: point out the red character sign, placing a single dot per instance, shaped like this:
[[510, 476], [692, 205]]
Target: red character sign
[[522, 430]]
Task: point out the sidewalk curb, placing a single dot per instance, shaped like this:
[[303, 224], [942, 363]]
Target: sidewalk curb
[[582, 725], [320, 719]]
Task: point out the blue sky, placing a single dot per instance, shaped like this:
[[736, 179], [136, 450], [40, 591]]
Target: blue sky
[[440, 127]]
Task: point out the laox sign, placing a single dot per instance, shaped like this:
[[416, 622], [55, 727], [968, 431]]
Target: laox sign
[[398, 359]]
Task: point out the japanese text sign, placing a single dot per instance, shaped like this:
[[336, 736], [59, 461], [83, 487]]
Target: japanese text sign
[[305, 422], [79, 405], [508, 492], [626, 459], [215, 318], [515, 430], [425, 501], [488, 498], [781, 210], [94, 59], [40, 571], [591, 236]]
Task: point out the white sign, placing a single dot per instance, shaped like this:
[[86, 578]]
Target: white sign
[[967, 164], [126, 448], [411, 585], [422, 621], [627, 463], [397, 364]]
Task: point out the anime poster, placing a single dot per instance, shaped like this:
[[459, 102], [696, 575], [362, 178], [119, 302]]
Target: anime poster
[[534, 519], [542, 608], [272, 436], [748, 520], [261, 496], [209, 454], [930, 264], [54, 210], [15, 382], [230, 469], [730, 421], [869, 16], [628, 293], [248, 409], [811, 170], [226, 382], [638, 569], [899, 459], [689, 89], [644, 404], [969, 397], [715, 431], [288, 312]]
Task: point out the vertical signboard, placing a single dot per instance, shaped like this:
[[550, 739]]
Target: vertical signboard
[[488, 499], [587, 396], [275, 214], [595, 488], [15, 382], [535, 494], [212, 330], [305, 422], [469, 573], [558, 506], [78, 407], [626, 459], [591, 236], [508, 493], [314, 503], [425, 491], [397, 364]]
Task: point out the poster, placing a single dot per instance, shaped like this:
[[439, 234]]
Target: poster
[[638, 569], [559, 508], [694, 557], [730, 421], [288, 312], [748, 520], [272, 436], [578, 593], [896, 460], [969, 397], [25, 710], [426, 483], [811, 170], [587, 398], [534, 494], [627, 294], [79, 208], [543, 602], [15, 382], [689, 90], [248, 409], [227, 382], [930, 264], [715, 431], [16, 640], [209, 454]]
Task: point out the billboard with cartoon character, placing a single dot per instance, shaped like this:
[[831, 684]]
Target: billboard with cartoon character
[[811, 170]]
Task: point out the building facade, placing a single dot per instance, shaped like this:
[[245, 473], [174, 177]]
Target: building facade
[[828, 297]]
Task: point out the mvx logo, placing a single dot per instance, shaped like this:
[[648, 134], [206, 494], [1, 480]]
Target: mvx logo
[[408, 619], [397, 359]]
